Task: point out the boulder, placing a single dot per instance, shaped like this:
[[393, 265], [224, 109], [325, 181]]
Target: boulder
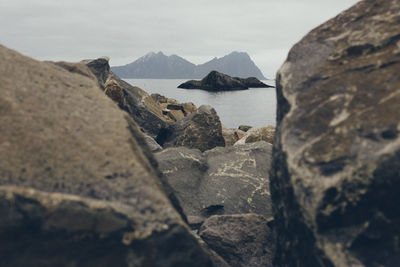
[[231, 136], [216, 81], [140, 105], [336, 170], [224, 180], [201, 130], [78, 185], [265, 133], [244, 128], [152, 144], [242, 240]]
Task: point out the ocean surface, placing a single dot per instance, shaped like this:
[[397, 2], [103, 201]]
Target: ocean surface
[[255, 107]]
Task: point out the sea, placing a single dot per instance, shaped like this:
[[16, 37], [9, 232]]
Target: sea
[[255, 107]]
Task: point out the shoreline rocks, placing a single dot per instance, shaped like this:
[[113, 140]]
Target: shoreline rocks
[[201, 129]]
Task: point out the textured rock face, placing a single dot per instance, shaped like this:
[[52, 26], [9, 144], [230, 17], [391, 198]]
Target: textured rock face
[[220, 181], [76, 186], [201, 130], [231, 136], [216, 81], [336, 173], [241, 240], [266, 134], [140, 105]]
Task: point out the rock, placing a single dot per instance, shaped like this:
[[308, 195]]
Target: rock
[[231, 136], [335, 179], [159, 98], [224, 180], [265, 133], [216, 81], [175, 109], [77, 184], [152, 144], [141, 106], [241, 240], [244, 128], [201, 130]]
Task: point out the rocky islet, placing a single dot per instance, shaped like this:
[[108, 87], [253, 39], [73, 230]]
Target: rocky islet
[[216, 81]]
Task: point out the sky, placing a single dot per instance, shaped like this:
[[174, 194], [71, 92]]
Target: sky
[[198, 31]]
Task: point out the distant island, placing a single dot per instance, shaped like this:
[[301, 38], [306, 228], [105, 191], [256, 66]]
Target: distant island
[[159, 66], [216, 81]]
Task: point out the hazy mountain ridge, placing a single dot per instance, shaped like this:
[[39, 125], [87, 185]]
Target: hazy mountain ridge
[[159, 66]]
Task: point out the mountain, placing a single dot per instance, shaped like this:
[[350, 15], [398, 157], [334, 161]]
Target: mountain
[[159, 66], [236, 64]]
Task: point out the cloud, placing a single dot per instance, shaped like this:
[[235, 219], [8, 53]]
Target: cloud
[[197, 30]]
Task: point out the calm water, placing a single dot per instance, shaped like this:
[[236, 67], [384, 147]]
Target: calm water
[[255, 107]]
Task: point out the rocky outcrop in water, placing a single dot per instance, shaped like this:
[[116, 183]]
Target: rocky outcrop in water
[[216, 81], [335, 180], [78, 185]]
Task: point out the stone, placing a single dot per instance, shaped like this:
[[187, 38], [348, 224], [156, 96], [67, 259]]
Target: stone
[[224, 180], [231, 136], [152, 144], [335, 178], [201, 130], [240, 239], [172, 104], [78, 186], [216, 81], [140, 105], [265, 133], [244, 128]]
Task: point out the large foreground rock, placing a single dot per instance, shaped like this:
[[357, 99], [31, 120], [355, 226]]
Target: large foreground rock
[[77, 188], [242, 240], [336, 174], [225, 180], [201, 129]]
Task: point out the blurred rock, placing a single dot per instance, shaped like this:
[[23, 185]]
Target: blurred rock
[[77, 183], [335, 179]]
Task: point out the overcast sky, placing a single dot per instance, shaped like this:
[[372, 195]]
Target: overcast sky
[[196, 30]]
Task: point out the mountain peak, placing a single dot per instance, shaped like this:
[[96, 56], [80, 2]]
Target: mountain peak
[[158, 66], [237, 53]]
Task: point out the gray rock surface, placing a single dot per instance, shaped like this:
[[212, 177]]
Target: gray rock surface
[[254, 134], [201, 129], [336, 174], [231, 136], [77, 186], [225, 180], [242, 240], [140, 105]]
